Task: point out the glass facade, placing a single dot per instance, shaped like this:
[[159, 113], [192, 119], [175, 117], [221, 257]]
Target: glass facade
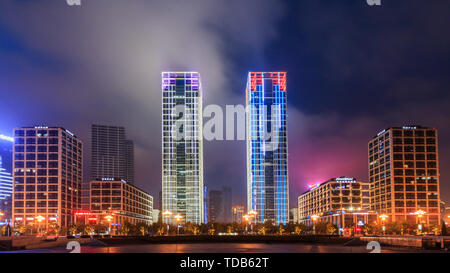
[[267, 162], [182, 146]]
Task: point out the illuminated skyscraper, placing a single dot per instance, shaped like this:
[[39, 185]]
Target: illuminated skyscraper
[[182, 145], [267, 147], [6, 150]]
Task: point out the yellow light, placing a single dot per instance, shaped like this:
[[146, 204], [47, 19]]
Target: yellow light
[[246, 217], [383, 217], [1, 213], [167, 213], [314, 217], [39, 218], [178, 217], [109, 218]]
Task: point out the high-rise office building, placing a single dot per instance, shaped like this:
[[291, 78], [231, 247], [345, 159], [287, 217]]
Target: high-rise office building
[[267, 147], [47, 176], [6, 188], [6, 150], [129, 161], [227, 204], [182, 145], [404, 174], [112, 154], [215, 206]]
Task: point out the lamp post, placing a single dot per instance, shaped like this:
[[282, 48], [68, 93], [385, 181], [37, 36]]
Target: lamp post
[[1, 216], [246, 218], [167, 214], [178, 218], [314, 219], [252, 214], [383, 219], [420, 213], [39, 218], [109, 219]]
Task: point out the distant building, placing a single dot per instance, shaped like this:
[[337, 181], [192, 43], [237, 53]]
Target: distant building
[[122, 202], [129, 163], [227, 204], [156, 215], [6, 152], [112, 155], [293, 216], [215, 206], [6, 185], [238, 214], [6, 189], [404, 174], [47, 175]]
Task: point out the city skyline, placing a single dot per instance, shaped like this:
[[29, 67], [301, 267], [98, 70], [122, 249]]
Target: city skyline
[[349, 82]]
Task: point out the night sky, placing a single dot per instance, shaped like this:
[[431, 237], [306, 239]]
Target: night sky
[[353, 70]]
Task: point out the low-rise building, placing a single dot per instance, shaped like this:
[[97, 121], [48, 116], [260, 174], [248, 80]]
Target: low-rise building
[[341, 201], [115, 202]]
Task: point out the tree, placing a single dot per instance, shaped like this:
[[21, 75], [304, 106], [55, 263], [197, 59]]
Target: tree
[[394, 228], [21, 228], [443, 229], [408, 228], [299, 229], [262, 230], [73, 229], [436, 229], [281, 230], [331, 229], [88, 229]]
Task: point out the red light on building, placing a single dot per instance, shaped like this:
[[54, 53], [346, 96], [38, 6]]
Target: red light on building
[[278, 78], [82, 212]]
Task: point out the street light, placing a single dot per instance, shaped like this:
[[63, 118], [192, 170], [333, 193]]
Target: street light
[[252, 214], [109, 219], [383, 218], [39, 218], [167, 214], [246, 218], [178, 218], [420, 213]]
